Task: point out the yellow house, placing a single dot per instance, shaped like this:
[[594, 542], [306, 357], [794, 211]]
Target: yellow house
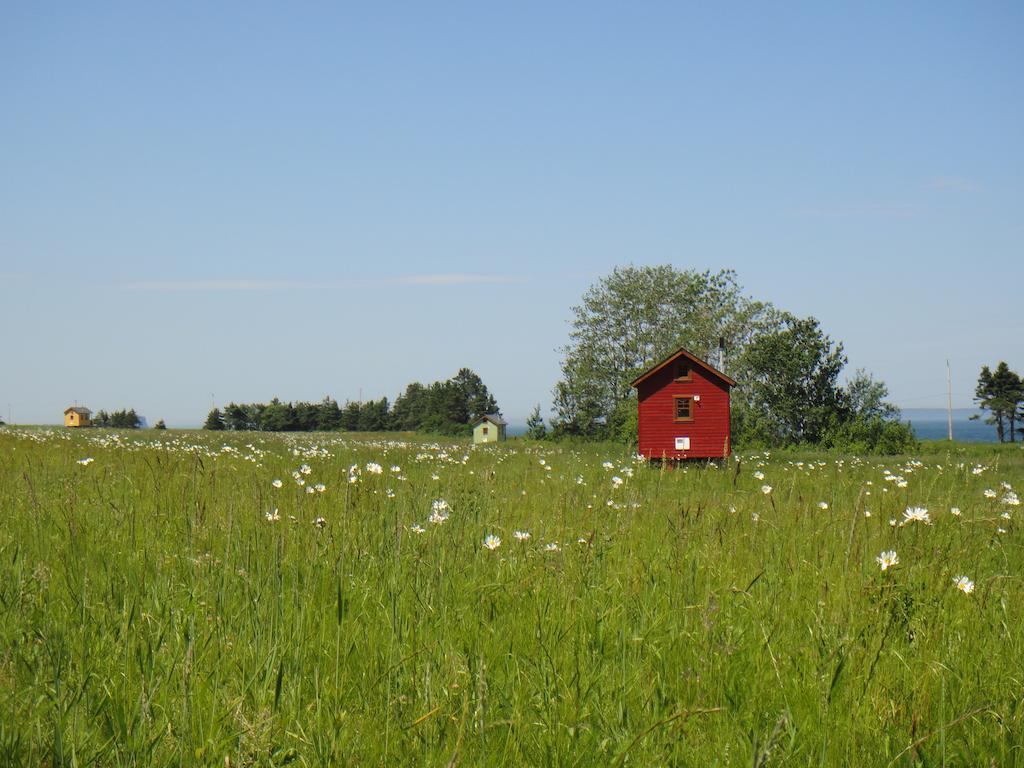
[[77, 416], [489, 428]]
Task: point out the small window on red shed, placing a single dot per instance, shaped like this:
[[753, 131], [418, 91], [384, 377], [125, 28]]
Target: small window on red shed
[[682, 371], [683, 408]]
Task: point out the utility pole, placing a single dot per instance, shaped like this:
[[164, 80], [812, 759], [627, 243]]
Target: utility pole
[[949, 401]]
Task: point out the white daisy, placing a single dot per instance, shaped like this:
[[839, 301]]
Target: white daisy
[[916, 515], [887, 559], [964, 584]]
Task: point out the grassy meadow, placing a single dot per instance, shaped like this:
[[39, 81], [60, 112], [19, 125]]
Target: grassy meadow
[[162, 602]]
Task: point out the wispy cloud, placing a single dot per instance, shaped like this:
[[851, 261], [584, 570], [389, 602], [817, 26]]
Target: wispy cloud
[[222, 286], [863, 210], [954, 184], [248, 285], [456, 279]]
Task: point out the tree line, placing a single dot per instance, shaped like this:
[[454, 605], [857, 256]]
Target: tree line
[[444, 407], [123, 419], [791, 390], [787, 368], [1001, 393]]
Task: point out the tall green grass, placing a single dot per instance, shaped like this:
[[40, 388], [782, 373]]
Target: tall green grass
[[151, 614]]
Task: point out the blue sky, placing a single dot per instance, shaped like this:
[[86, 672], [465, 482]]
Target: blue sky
[[243, 200]]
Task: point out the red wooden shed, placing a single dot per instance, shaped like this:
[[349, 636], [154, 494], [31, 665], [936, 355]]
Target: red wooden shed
[[683, 405]]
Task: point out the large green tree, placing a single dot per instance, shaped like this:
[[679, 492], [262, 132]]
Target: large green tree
[[791, 394], [634, 317]]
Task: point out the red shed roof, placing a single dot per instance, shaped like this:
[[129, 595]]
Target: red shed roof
[[681, 352]]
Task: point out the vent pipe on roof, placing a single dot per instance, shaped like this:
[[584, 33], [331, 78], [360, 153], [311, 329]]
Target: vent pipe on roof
[[721, 354]]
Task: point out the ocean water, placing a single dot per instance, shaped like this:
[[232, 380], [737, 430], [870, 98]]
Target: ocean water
[[930, 424]]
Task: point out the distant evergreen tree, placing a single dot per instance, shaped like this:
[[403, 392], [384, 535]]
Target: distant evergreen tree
[[328, 416], [411, 408], [254, 415], [350, 417], [374, 416], [160, 425], [235, 417], [123, 419], [478, 400], [535, 428], [278, 417], [448, 403], [307, 417], [1001, 393], [214, 420]]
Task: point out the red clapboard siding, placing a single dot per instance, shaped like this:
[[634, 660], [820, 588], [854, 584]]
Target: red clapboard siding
[[708, 431]]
